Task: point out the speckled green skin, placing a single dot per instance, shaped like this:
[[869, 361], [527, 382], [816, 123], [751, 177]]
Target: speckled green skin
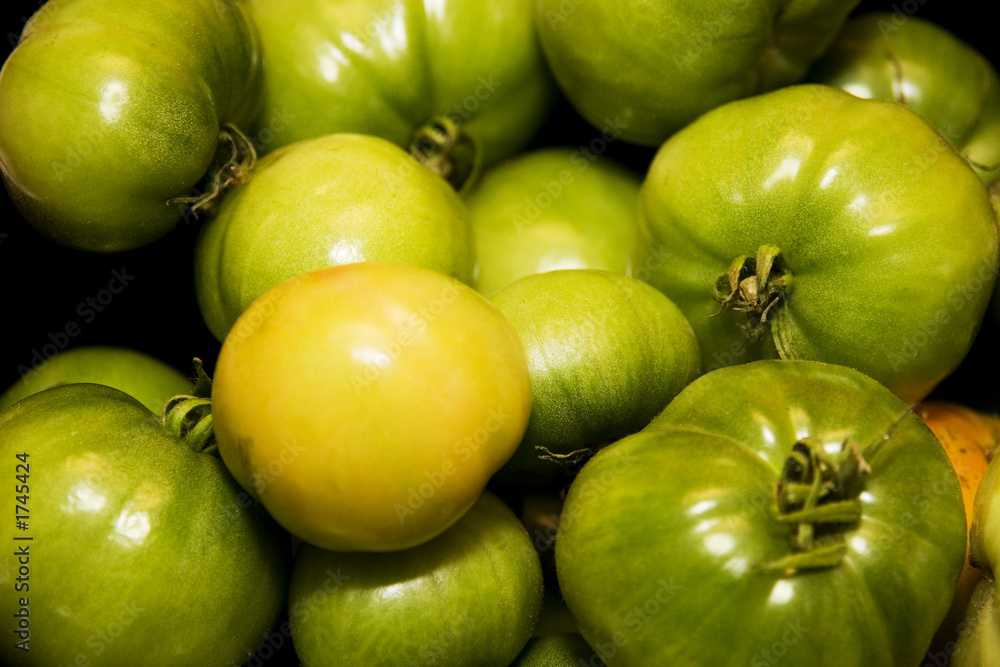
[[144, 378], [653, 66], [663, 533], [606, 353], [108, 108], [142, 551], [386, 67], [327, 201], [888, 233], [928, 69], [468, 598], [555, 208], [566, 650]]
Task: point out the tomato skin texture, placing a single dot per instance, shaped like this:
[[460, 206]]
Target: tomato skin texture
[[468, 598], [945, 80], [660, 65], [548, 210], [889, 236], [562, 650], [979, 641], [606, 353], [690, 501], [368, 404], [145, 378], [88, 151], [352, 198], [386, 68], [132, 529], [965, 437]]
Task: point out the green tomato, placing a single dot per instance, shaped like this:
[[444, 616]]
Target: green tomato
[[468, 598], [979, 640], [851, 233], [389, 68], [563, 650], [779, 510], [327, 201], [144, 378], [606, 353], [649, 68], [552, 209], [134, 547], [109, 109], [929, 70]]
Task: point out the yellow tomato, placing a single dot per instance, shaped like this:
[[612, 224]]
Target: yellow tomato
[[967, 436], [367, 405]]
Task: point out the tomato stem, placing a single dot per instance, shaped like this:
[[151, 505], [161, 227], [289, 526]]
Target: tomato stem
[[454, 155], [189, 418], [233, 165], [812, 497], [754, 286]]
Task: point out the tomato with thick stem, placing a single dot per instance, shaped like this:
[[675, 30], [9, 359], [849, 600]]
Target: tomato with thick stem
[[112, 111], [851, 233], [789, 506]]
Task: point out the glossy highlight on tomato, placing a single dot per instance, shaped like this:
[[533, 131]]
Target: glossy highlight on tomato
[[368, 404], [790, 506], [111, 109], [141, 544], [852, 233]]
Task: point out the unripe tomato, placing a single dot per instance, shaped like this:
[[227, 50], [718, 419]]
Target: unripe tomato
[[368, 404]]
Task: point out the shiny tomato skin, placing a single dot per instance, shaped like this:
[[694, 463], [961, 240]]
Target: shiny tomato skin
[[368, 404], [108, 109], [136, 540]]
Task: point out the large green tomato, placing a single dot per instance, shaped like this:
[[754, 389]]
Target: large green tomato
[[789, 511], [327, 201], [468, 598], [606, 353], [552, 209], [110, 109], [650, 67], [367, 405], [851, 232], [929, 70], [123, 545], [387, 68], [144, 378]]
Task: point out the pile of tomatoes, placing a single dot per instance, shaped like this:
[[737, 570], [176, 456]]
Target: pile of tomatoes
[[550, 332]]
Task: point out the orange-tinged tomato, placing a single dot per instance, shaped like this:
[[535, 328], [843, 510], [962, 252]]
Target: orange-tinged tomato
[[368, 404], [967, 437]]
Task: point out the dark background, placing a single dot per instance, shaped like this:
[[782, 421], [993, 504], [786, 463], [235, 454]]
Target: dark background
[[42, 284]]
